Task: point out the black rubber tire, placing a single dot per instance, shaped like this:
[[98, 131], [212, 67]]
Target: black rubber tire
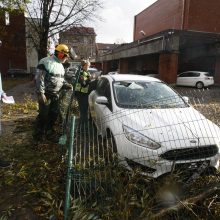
[[199, 85], [112, 148]]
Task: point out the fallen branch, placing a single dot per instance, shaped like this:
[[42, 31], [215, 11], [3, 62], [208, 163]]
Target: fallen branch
[[184, 204]]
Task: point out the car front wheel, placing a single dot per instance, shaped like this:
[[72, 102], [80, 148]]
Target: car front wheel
[[199, 85], [111, 148]]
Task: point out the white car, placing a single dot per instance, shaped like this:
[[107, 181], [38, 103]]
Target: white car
[[152, 126], [195, 78], [113, 73]]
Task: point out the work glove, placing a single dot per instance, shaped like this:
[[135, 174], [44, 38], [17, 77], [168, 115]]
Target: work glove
[[67, 86], [85, 82], [42, 98]]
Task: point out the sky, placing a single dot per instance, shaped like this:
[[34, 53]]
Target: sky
[[118, 20]]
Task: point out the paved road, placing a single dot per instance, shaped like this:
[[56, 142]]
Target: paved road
[[201, 95], [21, 91]]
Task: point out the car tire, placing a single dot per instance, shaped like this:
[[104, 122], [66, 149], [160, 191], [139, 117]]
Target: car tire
[[199, 85], [111, 148]]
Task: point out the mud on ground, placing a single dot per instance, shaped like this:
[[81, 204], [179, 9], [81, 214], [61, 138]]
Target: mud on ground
[[32, 187]]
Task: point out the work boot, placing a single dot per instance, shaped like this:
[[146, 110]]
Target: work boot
[[37, 138], [51, 135], [4, 164]]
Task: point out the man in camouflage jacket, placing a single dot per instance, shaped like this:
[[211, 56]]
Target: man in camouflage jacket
[[49, 82]]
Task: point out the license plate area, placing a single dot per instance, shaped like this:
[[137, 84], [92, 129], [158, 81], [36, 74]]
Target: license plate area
[[199, 165]]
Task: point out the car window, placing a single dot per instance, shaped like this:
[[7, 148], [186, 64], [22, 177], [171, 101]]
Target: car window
[[92, 70], [134, 94], [193, 74], [73, 70], [103, 89], [186, 74], [101, 86], [207, 74], [189, 74]]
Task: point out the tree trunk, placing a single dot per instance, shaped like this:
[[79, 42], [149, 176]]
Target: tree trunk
[[42, 51]]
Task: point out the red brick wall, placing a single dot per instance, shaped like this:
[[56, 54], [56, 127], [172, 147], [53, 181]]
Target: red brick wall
[[123, 66], [204, 15], [168, 66], [13, 49], [162, 15], [198, 15]]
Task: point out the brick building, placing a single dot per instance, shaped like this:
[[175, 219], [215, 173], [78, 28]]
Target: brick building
[[102, 48], [17, 50], [12, 35], [82, 39], [172, 36]]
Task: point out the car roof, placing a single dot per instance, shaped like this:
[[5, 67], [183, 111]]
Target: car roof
[[194, 71], [92, 68], [15, 69], [130, 77]]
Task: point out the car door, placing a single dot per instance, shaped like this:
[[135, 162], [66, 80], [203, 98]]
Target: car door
[[193, 78], [103, 112], [183, 79]]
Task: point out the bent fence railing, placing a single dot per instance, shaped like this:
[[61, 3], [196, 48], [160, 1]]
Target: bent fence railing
[[104, 181]]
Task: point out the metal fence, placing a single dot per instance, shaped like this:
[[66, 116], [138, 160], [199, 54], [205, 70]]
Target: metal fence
[[118, 168]]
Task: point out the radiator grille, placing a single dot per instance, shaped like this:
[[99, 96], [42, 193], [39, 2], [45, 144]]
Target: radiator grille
[[190, 153]]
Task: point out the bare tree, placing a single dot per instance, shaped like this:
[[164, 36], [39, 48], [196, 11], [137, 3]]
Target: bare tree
[[10, 5], [47, 18]]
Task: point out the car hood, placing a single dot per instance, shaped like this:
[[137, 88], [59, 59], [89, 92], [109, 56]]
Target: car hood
[[166, 125]]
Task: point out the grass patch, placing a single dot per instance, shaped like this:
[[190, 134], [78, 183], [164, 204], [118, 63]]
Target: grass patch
[[33, 187], [36, 181], [29, 107]]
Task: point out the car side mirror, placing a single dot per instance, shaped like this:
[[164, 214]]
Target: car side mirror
[[186, 99], [102, 100]]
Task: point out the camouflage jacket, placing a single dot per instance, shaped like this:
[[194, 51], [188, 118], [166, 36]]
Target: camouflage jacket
[[49, 76]]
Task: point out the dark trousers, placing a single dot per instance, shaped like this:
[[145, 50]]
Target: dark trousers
[[82, 99], [48, 114]]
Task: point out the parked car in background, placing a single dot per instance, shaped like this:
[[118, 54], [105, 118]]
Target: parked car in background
[[153, 127], [95, 73], [196, 79], [70, 74], [152, 73], [17, 72], [155, 75], [113, 73]]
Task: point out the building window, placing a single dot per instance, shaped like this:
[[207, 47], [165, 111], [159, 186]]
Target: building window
[[85, 40], [7, 18]]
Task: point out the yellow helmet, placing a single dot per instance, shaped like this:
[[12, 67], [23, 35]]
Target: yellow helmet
[[62, 48]]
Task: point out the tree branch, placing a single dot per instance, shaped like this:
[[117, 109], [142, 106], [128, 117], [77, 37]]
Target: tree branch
[[184, 204]]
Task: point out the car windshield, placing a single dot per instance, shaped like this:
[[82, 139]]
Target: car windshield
[[92, 70], [140, 94], [207, 74]]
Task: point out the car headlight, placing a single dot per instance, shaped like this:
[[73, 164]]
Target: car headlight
[[140, 139]]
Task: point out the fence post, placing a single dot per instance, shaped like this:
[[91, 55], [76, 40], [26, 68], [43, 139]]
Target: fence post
[[69, 175], [1, 92]]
